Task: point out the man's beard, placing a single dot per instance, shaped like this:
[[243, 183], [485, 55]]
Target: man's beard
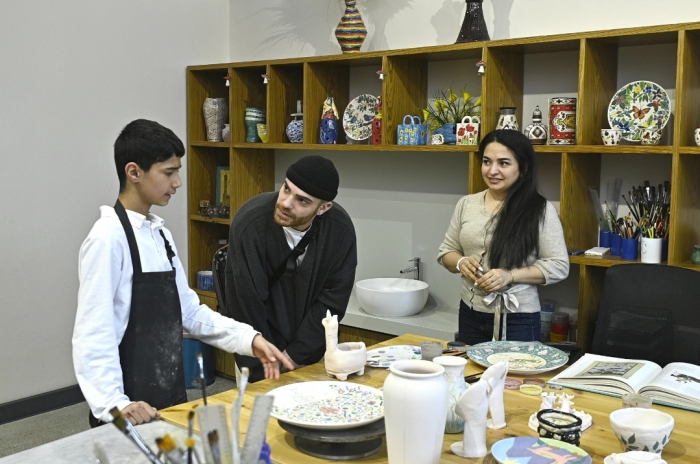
[[291, 220]]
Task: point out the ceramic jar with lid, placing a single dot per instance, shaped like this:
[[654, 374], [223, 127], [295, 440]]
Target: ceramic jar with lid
[[696, 255], [536, 132], [562, 121]]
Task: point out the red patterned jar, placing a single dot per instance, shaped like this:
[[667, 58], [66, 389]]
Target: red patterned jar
[[562, 121]]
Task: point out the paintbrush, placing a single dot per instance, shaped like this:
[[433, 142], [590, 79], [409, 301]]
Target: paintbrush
[[190, 441], [167, 445], [200, 360], [213, 437], [125, 426]]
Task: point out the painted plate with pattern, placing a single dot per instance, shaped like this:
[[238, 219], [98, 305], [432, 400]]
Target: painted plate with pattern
[[327, 405], [639, 105], [383, 357], [522, 357], [358, 117], [524, 450]]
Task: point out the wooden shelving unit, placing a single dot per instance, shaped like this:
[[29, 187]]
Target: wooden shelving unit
[[404, 88]]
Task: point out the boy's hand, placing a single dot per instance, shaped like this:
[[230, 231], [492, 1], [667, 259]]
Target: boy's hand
[[140, 412], [270, 357]]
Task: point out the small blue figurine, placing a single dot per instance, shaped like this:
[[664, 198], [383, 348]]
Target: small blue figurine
[[265, 454], [329, 124]]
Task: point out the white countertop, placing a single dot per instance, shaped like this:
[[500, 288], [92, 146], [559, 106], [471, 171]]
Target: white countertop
[[432, 321]]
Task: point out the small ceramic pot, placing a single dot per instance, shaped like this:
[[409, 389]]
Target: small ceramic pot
[[262, 132], [468, 131], [696, 255], [640, 429], [536, 132], [295, 130], [559, 425], [507, 118], [651, 136], [697, 136], [226, 133], [611, 136]]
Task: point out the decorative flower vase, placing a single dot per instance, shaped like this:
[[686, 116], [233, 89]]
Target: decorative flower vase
[[351, 30], [449, 132], [696, 255], [329, 123], [507, 119], [536, 132], [215, 113], [377, 124], [468, 131], [295, 129], [454, 373], [253, 117], [226, 133], [473, 27], [562, 121], [697, 136], [415, 411]]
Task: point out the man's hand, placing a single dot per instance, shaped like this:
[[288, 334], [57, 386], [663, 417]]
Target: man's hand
[[270, 357], [283, 368], [140, 412]]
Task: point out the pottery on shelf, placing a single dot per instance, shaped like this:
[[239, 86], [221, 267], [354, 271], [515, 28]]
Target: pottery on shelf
[[215, 114], [454, 374], [562, 121], [342, 359], [262, 132], [253, 117], [415, 411], [697, 136], [226, 133], [611, 136], [473, 26], [468, 131], [377, 123], [295, 129], [651, 136], [329, 122], [351, 30], [641, 429], [561, 402], [473, 406], [495, 376], [536, 132], [507, 118], [696, 255], [448, 132]]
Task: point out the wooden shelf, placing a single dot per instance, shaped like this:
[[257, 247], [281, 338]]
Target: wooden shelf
[[405, 88], [603, 261]]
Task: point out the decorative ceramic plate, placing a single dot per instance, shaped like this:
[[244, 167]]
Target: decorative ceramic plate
[[358, 117], [523, 450], [383, 357], [327, 405], [639, 105], [522, 357]]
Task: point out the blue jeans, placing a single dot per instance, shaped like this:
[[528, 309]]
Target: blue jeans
[[477, 327]]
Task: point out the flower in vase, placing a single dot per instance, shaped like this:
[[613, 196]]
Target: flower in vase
[[447, 107]]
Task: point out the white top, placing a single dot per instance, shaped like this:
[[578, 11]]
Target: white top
[[293, 238], [104, 301]]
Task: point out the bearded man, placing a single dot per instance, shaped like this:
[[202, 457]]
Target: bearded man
[[292, 256]]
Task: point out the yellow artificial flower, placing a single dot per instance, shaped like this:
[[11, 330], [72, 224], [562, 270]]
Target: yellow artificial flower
[[453, 97], [467, 96], [478, 101], [425, 114], [440, 104]]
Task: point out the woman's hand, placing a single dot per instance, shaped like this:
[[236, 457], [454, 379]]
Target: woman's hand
[[471, 268], [494, 280]]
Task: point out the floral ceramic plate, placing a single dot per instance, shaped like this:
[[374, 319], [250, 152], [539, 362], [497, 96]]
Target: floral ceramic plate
[[523, 450], [637, 106], [327, 405], [522, 357], [358, 117], [383, 357]]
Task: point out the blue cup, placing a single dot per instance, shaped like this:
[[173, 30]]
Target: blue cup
[[605, 238], [629, 248], [615, 245], [664, 250]]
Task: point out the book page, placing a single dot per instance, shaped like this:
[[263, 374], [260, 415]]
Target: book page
[[682, 379], [595, 370]]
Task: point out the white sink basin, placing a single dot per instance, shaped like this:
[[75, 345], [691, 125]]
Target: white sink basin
[[392, 297]]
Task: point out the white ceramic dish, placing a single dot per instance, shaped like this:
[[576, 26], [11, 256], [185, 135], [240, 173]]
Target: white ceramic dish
[[383, 357], [642, 429], [327, 405], [523, 357]]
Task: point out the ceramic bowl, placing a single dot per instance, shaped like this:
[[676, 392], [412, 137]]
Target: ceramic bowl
[[611, 136], [634, 457], [640, 429], [559, 425], [651, 136]]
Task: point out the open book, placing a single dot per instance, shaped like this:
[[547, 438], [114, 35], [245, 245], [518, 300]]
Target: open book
[[677, 384]]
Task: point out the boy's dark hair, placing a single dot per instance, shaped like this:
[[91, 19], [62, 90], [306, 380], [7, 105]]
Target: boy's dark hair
[[145, 143]]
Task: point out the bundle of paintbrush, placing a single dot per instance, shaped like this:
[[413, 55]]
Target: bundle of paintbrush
[[650, 211]]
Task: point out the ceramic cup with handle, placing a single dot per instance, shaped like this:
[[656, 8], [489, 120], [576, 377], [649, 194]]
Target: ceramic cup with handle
[[611, 136], [651, 136]]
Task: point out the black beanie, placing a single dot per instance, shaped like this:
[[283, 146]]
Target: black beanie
[[316, 176]]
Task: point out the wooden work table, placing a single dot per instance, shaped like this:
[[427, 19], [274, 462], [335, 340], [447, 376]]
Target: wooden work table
[[599, 440]]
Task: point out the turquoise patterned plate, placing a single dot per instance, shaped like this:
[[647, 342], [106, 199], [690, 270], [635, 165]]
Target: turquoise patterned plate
[[637, 106], [529, 450], [522, 357], [327, 405]]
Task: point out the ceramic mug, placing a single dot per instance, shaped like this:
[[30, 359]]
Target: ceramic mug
[[697, 136], [468, 131], [651, 136], [611, 136]]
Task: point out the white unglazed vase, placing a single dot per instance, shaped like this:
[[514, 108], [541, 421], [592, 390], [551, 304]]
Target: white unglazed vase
[[415, 411], [454, 374]]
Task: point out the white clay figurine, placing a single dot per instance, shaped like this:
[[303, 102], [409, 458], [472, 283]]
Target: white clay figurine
[[495, 375], [473, 406], [342, 359]]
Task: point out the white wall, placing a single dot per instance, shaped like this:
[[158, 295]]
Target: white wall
[[72, 74]]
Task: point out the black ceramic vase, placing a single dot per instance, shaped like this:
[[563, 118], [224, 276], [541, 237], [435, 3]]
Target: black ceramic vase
[[474, 27]]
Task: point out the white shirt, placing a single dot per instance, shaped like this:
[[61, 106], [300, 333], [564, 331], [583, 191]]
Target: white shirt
[[293, 238], [104, 302]]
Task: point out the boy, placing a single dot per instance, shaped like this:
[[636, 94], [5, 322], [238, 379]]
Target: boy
[[134, 299]]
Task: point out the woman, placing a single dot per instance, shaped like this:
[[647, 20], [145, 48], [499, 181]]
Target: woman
[[504, 241]]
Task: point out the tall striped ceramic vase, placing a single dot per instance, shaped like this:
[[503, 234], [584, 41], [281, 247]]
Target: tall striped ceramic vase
[[351, 31]]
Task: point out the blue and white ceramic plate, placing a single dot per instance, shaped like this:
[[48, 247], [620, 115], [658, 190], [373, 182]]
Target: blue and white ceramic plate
[[524, 450], [637, 106], [327, 405], [358, 117], [522, 357], [383, 357]]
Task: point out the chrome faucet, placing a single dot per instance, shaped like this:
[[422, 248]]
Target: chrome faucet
[[415, 269]]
